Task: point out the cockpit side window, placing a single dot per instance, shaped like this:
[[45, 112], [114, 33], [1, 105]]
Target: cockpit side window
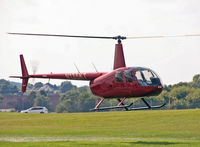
[[129, 75], [119, 76]]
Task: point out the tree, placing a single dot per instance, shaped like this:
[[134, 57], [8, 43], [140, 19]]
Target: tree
[[193, 99], [61, 108], [83, 89], [86, 101], [180, 92], [1, 98], [38, 85], [42, 100], [69, 101], [196, 81], [76, 101], [42, 92], [7, 88], [179, 104], [66, 86], [31, 98], [196, 78], [54, 87]]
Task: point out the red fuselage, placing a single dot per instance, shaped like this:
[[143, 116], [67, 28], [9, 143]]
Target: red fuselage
[[122, 82], [108, 86]]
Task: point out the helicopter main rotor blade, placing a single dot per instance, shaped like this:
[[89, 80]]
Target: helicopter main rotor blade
[[143, 37], [105, 37], [55, 35]]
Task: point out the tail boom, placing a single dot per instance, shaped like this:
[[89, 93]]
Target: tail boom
[[70, 76]]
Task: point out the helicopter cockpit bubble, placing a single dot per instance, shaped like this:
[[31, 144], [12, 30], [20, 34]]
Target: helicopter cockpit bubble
[[146, 77]]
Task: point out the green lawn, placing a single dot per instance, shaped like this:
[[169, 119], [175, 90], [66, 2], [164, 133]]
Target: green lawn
[[133, 128]]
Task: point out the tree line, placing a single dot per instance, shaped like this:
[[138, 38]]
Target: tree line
[[183, 95]]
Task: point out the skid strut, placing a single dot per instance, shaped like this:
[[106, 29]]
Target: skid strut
[[99, 103], [146, 103], [121, 103]]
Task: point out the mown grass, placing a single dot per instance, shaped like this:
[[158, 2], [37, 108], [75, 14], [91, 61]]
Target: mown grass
[[138, 128], [116, 143]]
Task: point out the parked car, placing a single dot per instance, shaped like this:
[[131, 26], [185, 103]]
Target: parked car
[[36, 110]]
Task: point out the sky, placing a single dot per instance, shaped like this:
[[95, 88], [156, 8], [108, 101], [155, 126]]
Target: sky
[[173, 59]]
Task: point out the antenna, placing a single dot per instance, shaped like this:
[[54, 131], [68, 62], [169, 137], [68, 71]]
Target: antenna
[[76, 68], [49, 78], [94, 67]]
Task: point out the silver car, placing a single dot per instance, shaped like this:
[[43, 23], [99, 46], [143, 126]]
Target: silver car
[[36, 110]]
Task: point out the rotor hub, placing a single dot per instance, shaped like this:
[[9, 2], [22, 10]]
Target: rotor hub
[[119, 38]]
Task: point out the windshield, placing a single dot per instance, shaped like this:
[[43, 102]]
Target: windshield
[[146, 77]]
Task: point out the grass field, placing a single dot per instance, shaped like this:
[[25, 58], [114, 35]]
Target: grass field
[[133, 128]]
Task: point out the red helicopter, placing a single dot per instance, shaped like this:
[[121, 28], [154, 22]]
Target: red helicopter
[[123, 82]]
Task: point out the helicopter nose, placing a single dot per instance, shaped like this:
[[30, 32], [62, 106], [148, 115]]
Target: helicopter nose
[[160, 85], [159, 88]]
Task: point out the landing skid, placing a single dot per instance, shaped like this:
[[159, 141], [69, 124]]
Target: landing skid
[[148, 106], [127, 107], [113, 107]]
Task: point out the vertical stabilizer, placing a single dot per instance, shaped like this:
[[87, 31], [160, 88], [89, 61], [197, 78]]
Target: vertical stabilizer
[[119, 60], [23, 67], [25, 75]]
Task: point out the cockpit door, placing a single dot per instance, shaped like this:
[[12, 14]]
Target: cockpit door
[[119, 78], [130, 81]]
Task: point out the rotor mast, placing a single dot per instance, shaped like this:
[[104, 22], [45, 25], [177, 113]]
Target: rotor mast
[[119, 60]]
